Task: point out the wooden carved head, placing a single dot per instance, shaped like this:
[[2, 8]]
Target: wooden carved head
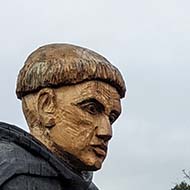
[[70, 98]]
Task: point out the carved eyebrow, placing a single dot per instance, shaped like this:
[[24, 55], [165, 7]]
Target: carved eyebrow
[[92, 100]]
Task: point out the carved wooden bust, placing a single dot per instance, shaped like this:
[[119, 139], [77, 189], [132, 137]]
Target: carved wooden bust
[[70, 98]]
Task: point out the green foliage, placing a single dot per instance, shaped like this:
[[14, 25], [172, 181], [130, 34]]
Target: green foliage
[[182, 186]]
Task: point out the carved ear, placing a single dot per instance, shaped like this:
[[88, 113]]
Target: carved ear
[[46, 105]]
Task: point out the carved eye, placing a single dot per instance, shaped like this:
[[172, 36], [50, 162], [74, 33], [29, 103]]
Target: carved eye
[[92, 106], [113, 116]]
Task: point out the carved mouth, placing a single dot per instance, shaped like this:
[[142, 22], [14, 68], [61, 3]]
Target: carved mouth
[[100, 150]]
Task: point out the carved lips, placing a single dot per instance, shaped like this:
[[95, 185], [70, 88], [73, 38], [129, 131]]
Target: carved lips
[[100, 150]]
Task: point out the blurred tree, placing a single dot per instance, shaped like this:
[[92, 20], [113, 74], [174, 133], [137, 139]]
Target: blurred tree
[[186, 175], [182, 186]]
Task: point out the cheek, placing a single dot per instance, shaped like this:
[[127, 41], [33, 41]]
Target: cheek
[[86, 133], [74, 127]]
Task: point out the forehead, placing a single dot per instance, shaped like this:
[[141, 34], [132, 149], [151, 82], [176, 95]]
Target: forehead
[[98, 89], [101, 91]]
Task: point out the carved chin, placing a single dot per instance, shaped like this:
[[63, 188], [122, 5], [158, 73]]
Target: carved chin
[[92, 167], [97, 165], [93, 163]]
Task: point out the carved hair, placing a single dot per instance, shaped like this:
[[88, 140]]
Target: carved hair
[[56, 65]]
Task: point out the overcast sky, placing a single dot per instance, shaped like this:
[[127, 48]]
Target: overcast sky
[[149, 41]]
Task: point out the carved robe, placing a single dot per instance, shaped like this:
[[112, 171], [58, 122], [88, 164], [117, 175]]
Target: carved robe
[[26, 164]]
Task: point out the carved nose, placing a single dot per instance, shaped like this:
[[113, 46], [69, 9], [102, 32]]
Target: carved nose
[[104, 129]]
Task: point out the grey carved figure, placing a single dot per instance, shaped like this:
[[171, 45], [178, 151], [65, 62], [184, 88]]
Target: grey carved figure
[[70, 98]]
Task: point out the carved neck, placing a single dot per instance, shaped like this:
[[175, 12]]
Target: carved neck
[[71, 162]]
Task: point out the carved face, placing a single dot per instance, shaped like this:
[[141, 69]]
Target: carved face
[[83, 121]]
